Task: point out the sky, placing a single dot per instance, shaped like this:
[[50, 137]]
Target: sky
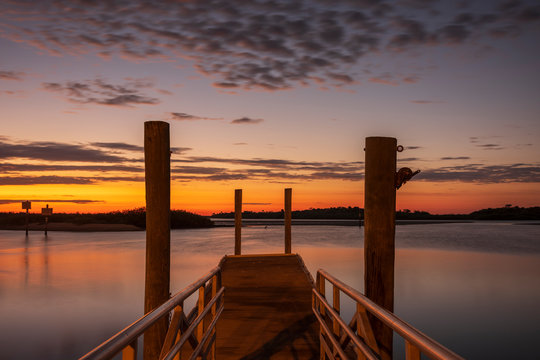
[[269, 94]]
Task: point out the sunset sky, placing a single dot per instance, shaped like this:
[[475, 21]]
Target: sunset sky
[[264, 95]]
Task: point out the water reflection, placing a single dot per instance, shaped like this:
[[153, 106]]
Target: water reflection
[[26, 261], [68, 292]]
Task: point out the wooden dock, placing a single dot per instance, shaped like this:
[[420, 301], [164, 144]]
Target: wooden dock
[[268, 313]]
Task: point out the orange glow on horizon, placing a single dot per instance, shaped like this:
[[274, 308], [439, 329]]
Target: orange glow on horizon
[[206, 198]]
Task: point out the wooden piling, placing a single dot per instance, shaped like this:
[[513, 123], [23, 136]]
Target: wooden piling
[[287, 216], [26, 205], [157, 175], [26, 222], [379, 231], [238, 222]]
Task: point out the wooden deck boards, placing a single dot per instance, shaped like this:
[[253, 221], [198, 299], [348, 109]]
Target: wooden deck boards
[[267, 309]]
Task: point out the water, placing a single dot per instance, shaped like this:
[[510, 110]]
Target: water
[[473, 287]]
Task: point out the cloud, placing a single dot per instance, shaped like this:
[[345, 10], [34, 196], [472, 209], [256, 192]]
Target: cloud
[[180, 150], [15, 168], [490, 146], [100, 92], [413, 147], [426, 102], [107, 156], [268, 45], [42, 180], [71, 164], [184, 116], [11, 75], [118, 146], [456, 158], [246, 120], [484, 174], [198, 170], [52, 151], [134, 148], [393, 79], [63, 180], [73, 201], [266, 170]]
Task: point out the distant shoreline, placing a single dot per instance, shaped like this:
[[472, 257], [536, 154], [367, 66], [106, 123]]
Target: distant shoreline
[[331, 222], [71, 227]]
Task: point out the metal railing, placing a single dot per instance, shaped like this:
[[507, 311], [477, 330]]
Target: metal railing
[[356, 339], [197, 328]]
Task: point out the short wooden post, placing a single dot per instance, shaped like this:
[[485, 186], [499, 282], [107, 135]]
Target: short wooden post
[[158, 234], [379, 232], [287, 215], [214, 311], [337, 308], [130, 351], [238, 222], [200, 307], [321, 288], [412, 352]]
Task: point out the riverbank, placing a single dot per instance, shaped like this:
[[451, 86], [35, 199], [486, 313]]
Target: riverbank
[[64, 226], [329, 222]]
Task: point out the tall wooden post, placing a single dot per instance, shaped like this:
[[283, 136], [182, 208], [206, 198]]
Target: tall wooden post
[[287, 216], [26, 205], [158, 255], [238, 222], [46, 211], [379, 231]]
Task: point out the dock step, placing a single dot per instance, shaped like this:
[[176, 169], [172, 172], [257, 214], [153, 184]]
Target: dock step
[[268, 311]]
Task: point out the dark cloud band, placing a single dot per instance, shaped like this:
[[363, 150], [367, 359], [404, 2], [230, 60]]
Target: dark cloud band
[[270, 45]]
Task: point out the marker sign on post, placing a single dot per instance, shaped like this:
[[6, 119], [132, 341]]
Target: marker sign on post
[[26, 205], [47, 211]]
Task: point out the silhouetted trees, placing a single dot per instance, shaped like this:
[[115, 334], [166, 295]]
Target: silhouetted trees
[[180, 219], [504, 213], [328, 213]]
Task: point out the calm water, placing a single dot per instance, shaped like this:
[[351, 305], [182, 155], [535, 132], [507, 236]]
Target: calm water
[[474, 287]]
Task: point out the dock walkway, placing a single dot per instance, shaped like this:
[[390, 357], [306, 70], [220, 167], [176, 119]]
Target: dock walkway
[[268, 311]]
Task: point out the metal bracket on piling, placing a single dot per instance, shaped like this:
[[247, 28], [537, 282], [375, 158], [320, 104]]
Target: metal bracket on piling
[[403, 175]]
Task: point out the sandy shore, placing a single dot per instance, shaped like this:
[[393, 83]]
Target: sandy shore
[[74, 227]]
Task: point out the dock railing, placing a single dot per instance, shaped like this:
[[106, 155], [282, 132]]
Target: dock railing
[[340, 340], [198, 328]]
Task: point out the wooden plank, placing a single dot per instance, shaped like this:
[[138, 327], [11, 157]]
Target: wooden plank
[[267, 309], [172, 333], [364, 328]]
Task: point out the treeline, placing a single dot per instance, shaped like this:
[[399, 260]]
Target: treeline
[[180, 219], [328, 213], [507, 212]]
